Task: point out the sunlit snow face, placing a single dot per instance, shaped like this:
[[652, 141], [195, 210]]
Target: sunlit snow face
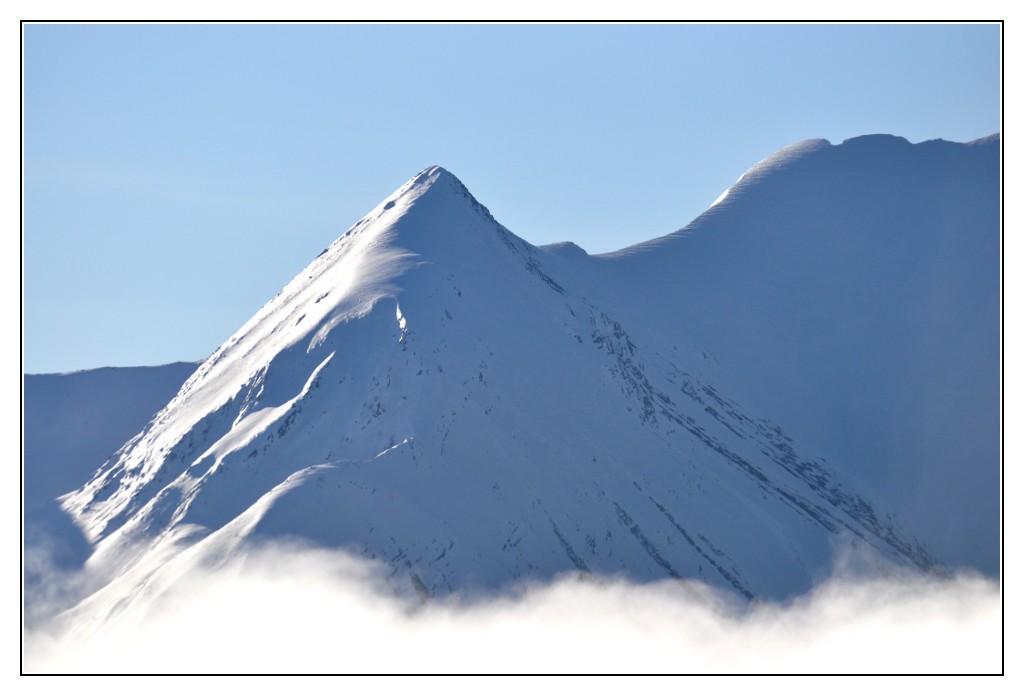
[[721, 197], [289, 610], [401, 321]]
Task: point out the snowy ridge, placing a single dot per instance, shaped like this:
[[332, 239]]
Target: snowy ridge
[[853, 295], [779, 160], [435, 393]]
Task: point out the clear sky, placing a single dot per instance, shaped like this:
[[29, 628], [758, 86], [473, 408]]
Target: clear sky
[[177, 176]]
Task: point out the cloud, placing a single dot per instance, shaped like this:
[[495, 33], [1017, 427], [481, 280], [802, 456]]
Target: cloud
[[293, 610]]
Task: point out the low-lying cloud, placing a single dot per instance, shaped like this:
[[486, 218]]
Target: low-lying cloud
[[301, 611]]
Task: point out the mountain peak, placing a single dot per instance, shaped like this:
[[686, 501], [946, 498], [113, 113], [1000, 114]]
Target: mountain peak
[[437, 188], [438, 178], [434, 174]]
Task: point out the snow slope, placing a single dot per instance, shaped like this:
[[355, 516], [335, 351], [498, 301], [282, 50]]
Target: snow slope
[[854, 292], [812, 363]]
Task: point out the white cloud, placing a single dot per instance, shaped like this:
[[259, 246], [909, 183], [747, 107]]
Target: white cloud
[[289, 610]]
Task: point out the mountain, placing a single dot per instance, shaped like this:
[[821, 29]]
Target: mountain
[[812, 363], [73, 422], [854, 292]]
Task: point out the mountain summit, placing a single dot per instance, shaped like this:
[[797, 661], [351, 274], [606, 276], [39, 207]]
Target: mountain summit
[[730, 403]]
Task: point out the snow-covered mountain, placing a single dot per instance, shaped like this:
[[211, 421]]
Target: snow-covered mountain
[[813, 362], [73, 422]]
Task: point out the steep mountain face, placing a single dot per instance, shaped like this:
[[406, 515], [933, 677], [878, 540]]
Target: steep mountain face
[[853, 292], [729, 403]]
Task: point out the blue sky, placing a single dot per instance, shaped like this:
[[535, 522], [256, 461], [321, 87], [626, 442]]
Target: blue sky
[[177, 176]]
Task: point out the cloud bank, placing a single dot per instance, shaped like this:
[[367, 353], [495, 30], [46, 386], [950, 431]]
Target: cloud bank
[[286, 610]]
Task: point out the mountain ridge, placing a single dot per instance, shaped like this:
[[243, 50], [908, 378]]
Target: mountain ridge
[[867, 250]]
